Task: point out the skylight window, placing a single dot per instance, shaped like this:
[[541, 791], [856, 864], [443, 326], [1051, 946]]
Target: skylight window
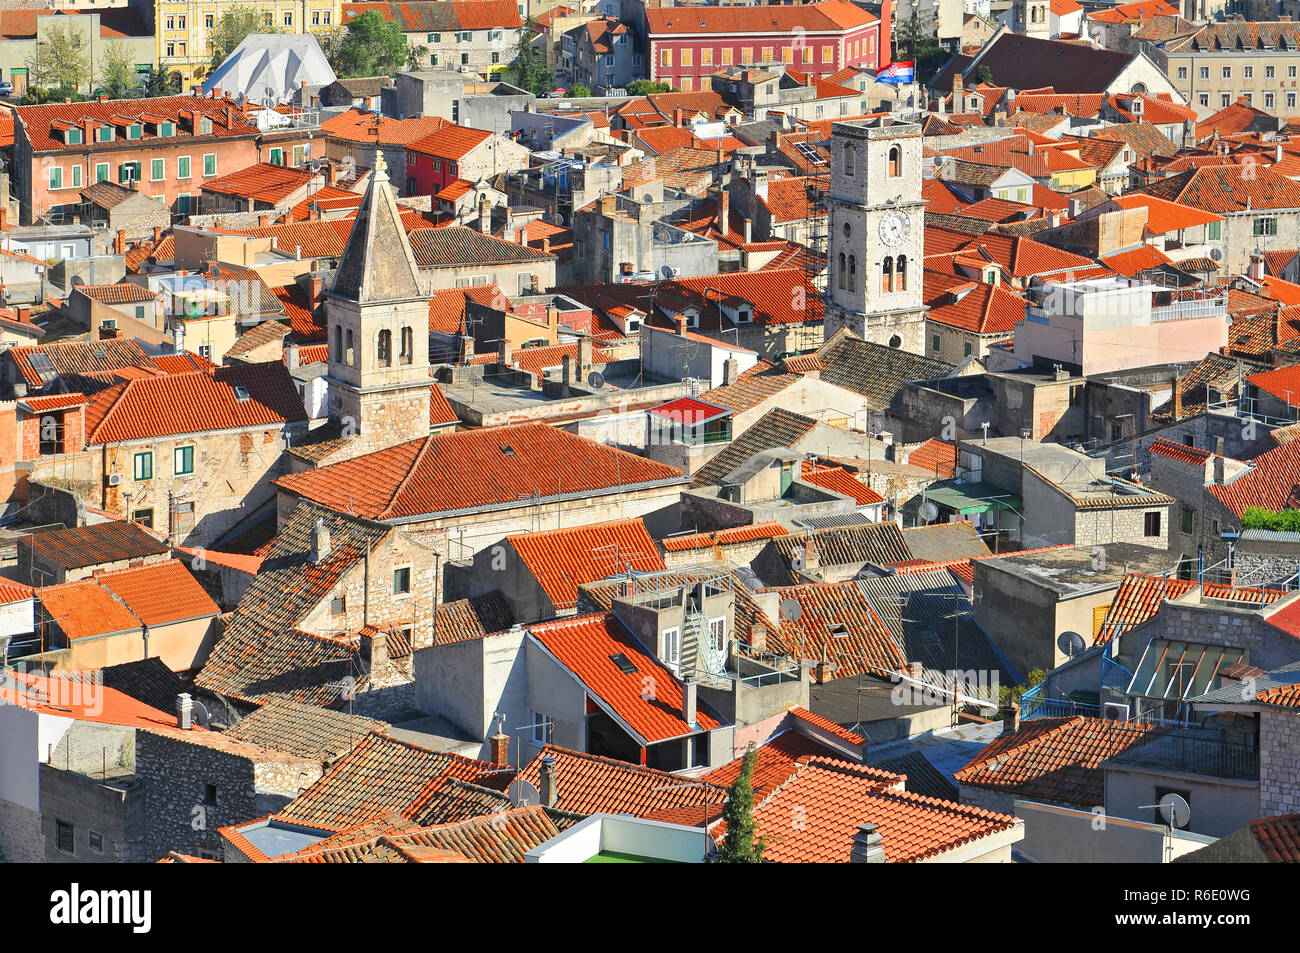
[[625, 664], [241, 394], [507, 450]]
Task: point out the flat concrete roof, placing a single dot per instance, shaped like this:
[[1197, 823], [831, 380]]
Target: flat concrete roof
[[1078, 571]]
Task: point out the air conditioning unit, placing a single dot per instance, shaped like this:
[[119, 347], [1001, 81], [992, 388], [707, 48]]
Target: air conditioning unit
[[1114, 711], [114, 479]]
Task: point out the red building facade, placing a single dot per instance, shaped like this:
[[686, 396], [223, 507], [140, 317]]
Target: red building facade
[[689, 44]]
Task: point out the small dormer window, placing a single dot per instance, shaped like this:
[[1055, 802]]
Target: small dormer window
[[72, 137], [104, 134], [744, 315], [167, 129], [205, 126], [133, 131]]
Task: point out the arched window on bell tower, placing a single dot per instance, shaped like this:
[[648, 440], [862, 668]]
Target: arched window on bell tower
[[338, 344], [843, 269], [887, 275], [895, 161], [902, 273], [384, 352], [349, 352], [850, 157], [408, 345], [853, 273]]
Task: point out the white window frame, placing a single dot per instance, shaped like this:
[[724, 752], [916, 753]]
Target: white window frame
[[183, 163], [542, 728], [672, 646], [153, 164], [718, 634], [206, 157]]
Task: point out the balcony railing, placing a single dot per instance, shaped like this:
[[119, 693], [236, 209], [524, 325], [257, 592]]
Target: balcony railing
[[1184, 310], [1195, 751]]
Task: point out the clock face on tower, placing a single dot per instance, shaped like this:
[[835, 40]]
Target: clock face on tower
[[893, 229]]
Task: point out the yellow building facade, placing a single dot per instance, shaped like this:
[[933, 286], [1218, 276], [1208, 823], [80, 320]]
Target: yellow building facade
[[184, 29]]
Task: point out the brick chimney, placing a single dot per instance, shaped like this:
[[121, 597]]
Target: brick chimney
[[1178, 400], [157, 233], [315, 288], [1255, 270], [811, 562], [758, 637], [1218, 461], [499, 746], [184, 711], [548, 781], [868, 846], [504, 354], [119, 242], [679, 116], [680, 321], [730, 371], [263, 221]]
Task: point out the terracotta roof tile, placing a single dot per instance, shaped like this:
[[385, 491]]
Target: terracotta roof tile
[[62, 698], [586, 644], [1278, 837], [590, 784], [227, 118], [723, 537], [262, 182], [472, 618], [839, 626], [839, 480], [563, 559], [455, 471]]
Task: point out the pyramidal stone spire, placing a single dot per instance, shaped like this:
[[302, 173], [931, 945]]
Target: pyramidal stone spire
[[378, 263]]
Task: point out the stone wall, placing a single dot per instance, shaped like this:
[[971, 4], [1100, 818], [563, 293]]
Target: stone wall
[[115, 810], [21, 840], [1279, 762]]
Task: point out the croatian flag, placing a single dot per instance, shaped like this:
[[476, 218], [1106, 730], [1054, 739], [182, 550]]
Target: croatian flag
[[897, 73]]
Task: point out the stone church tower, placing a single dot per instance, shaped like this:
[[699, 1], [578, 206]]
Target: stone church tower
[[377, 316], [1032, 18], [877, 233]]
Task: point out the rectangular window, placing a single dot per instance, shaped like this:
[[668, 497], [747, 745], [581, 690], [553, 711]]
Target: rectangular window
[[718, 634], [402, 580], [157, 169], [726, 56], [97, 842], [76, 176], [1290, 100], [180, 23], [1189, 520], [210, 795], [464, 59], [1227, 72], [210, 164], [1213, 231], [688, 57], [807, 54], [56, 177], [339, 605], [1265, 226], [934, 343], [1250, 72], [541, 728], [672, 646], [706, 56], [144, 466], [65, 837], [208, 21], [787, 54], [184, 460], [183, 167], [101, 171], [277, 157], [828, 54], [1205, 72], [1268, 100], [1205, 99], [1290, 72], [1151, 524], [1182, 72], [767, 54], [143, 517], [968, 349], [288, 19], [1269, 72]]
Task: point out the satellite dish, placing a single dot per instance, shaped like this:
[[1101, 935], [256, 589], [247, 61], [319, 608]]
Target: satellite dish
[[78, 280], [1071, 644], [928, 511], [1216, 255], [1175, 810], [199, 714], [791, 611], [523, 794], [596, 379]]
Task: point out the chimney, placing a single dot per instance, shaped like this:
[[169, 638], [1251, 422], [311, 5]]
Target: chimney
[[291, 357], [679, 116], [680, 321], [465, 349], [749, 230], [184, 711], [586, 355], [119, 240], [546, 245], [523, 234], [374, 646], [330, 172], [484, 216], [1015, 717], [315, 288], [730, 371], [1218, 461], [157, 234], [1073, 208], [690, 692], [758, 637], [263, 221], [608, 204], [868, 846], [320, 540], [1255, 270], [499, 746], [724, 211], [504, 355], [4, 217], [569, 373], [810, 561], [548, 781]]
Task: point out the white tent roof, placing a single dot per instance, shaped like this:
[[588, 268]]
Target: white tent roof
[[271, 66]]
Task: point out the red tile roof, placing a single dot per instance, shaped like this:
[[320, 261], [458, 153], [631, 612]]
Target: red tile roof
[[85, 609], [1054, 759], [830, 798], [450, 142], [825, 724], [1278, 837], [1282, 382], [866, 646], [1269, 483], [1180, 452], [227, 118], [960, 302], [1164, 216], [262, 182], [839, 480], [936, 456], [358, 125], [124, 293], [159, 593], [1139, 598], [447, 307], [457, 471], [194, 403], [723, 537], [590, 784], [1223, 188], [71, 698], [1130, 263], [561, 560], [779, 759], [584, 645]]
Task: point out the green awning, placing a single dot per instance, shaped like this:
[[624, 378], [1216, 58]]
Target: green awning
[[968, 498]]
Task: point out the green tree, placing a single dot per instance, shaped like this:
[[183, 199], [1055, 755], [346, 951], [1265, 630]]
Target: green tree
[[644, 87], [160, 82], [739, 844], [60, 58], [235, 24], [529, 68], [418, 58], [117, 72], [1009, 695], [372, 46], [983, 75], [579, 90]]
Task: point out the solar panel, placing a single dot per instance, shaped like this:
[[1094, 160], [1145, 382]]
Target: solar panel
[[42, 365], [809, 152]]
